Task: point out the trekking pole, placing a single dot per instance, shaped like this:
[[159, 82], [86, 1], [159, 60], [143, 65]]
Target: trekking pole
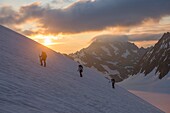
[[108, 79]]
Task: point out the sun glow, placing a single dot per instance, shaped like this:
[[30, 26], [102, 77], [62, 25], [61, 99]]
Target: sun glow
[[47, 41]]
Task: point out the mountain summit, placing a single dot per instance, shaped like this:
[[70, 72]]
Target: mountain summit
[[157, 59]]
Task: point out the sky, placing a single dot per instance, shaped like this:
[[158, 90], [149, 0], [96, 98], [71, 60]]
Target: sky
[[67, 26]]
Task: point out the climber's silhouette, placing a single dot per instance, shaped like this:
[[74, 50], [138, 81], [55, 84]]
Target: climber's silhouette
[[43, 58], [113, 83], [80, 69]]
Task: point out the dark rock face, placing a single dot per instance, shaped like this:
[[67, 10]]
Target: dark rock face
[[158, 57], [115, 59]]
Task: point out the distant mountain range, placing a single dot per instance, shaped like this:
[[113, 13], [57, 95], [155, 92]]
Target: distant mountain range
[[114, 58], [120, 59]]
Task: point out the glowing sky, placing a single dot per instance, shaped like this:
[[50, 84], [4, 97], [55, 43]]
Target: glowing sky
[[69, 25]]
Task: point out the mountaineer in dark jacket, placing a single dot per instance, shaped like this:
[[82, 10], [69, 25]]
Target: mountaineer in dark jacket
[[113, 83], [80, 69]]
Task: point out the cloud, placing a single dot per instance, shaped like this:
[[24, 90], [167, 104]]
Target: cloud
[[125, 38], [32, 11], [110, 38], [92, 16], [87, 15], [61, 1], [29, 32], [144, 37], [8, 15]]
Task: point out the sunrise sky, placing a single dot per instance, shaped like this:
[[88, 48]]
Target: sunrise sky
[[69, 25]]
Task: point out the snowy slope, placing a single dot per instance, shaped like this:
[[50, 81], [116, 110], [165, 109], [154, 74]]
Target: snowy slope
[[150, 88], [149, 83], [26, 87]]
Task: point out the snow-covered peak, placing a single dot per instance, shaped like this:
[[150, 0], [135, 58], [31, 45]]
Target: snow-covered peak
[[103, 54], [157, 57]]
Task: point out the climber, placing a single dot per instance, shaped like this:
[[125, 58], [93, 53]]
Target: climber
[[43, 58], [80, 69]]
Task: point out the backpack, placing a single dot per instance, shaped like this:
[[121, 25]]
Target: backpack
[[80, 68], [44, 55], [113, 80]]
